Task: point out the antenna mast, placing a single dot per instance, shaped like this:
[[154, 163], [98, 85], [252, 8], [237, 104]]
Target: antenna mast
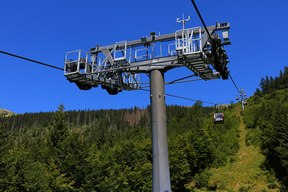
[[183, 21]]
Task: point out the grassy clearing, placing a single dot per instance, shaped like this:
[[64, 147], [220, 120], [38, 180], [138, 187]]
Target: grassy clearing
[[244, 173]]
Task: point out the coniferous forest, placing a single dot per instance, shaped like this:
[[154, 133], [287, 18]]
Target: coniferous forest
[[110, 150]]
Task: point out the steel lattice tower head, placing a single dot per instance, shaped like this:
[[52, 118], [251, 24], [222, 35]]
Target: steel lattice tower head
[[118, 67]]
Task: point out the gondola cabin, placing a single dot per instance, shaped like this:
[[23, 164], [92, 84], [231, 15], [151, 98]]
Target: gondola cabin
[[218, 117]]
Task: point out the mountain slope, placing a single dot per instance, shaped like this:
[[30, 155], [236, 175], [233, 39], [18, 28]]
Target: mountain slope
[[5, 113], [245, 173]]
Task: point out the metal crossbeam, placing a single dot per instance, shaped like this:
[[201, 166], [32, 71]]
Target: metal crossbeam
[[109, 65], [161, 38]]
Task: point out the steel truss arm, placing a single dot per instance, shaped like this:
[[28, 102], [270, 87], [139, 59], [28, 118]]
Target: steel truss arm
[[118, 66]]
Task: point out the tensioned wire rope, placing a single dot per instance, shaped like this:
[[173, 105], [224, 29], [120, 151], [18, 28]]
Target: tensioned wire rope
[[176, 81], [209, 36]]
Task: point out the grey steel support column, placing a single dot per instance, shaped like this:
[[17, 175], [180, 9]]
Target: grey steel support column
[[160, 168]]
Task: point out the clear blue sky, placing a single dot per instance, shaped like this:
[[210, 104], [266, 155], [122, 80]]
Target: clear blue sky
[[45, 30]]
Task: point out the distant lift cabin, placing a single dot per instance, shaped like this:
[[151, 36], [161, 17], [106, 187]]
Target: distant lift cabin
[[218, 118]]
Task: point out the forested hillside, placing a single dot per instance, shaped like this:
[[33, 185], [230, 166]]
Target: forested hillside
[[118, 119], [110, 150], [272, 84], [266, 116]]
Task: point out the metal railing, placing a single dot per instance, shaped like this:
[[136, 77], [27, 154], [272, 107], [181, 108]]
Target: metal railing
[[188, 42]]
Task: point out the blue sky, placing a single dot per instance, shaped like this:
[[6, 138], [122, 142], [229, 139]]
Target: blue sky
[[45, 30]]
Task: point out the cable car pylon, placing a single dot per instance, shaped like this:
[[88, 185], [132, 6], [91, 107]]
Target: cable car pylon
[[118, 67], [242, 98]]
